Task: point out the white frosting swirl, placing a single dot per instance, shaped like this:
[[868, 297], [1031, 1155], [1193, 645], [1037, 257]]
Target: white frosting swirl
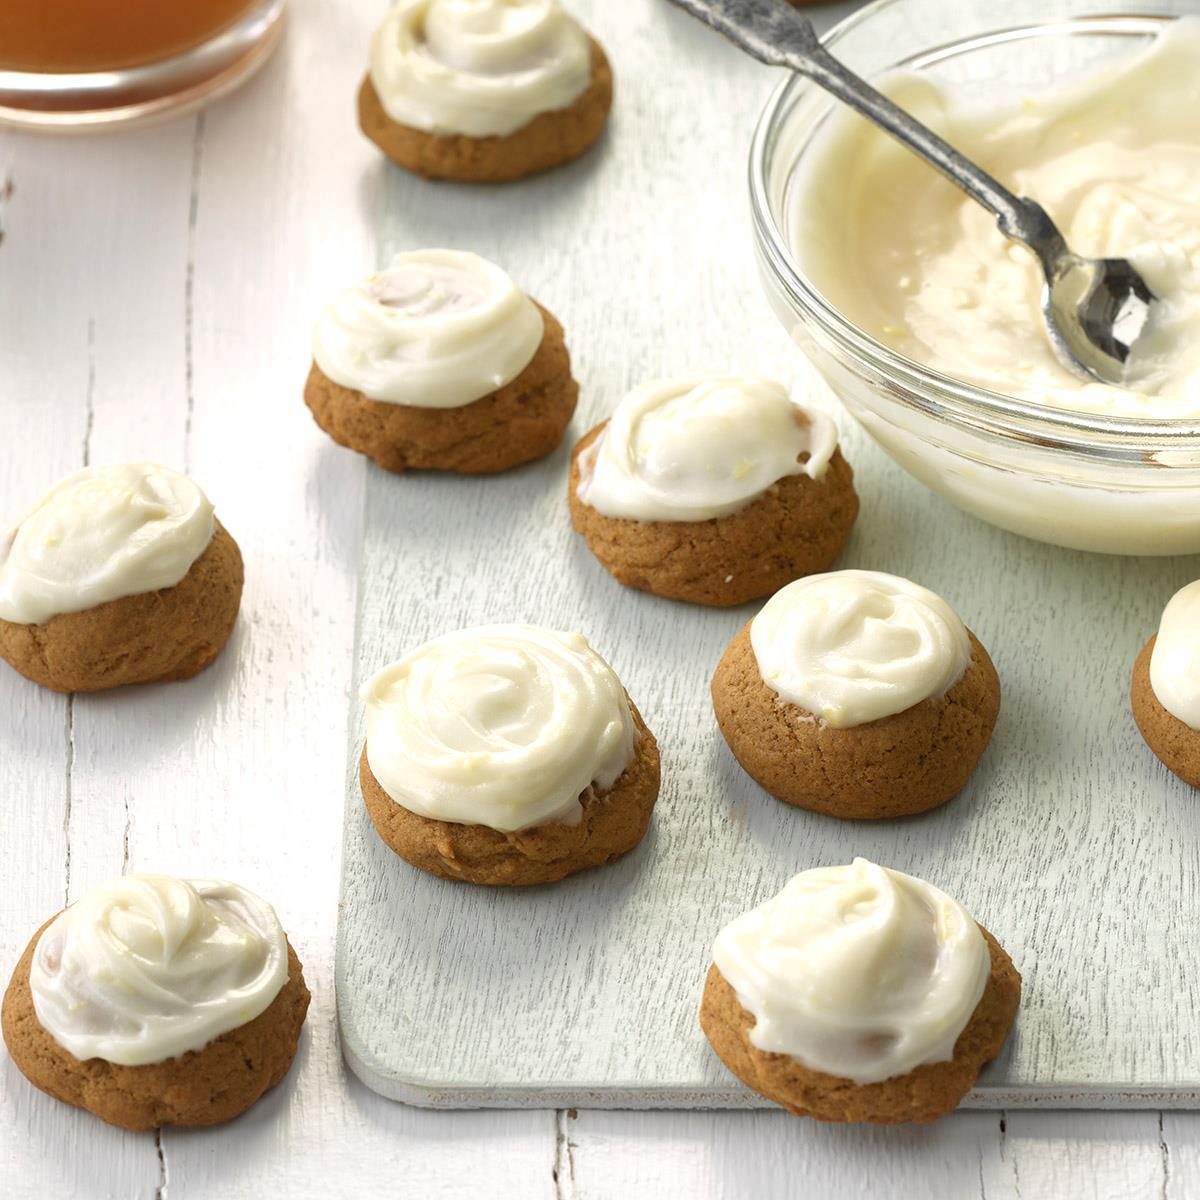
[[149, 967], [858, 971], [483, 68], [856, 646], [1175, 659], [436, 329], [697, 448], [505, 726], [100, 534]]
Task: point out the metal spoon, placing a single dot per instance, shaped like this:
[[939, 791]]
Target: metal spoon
[[1094, 308]]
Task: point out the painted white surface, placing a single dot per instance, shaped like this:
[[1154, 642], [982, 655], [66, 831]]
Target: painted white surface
[[244, 219]]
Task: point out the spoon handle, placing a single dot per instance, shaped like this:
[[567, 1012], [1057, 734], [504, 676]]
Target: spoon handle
[[775, 33]]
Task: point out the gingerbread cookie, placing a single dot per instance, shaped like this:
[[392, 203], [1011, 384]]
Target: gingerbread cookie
[[441, 362], [859, 994], [506, 755], [859, 695], [1165, 693], [120, 575], [714, 490], [157, 1001], [483, 93]]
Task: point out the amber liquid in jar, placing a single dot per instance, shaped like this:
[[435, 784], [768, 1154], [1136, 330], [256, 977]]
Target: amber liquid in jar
[[102, 35]]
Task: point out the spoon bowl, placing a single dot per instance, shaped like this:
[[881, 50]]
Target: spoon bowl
[[1095, 310]]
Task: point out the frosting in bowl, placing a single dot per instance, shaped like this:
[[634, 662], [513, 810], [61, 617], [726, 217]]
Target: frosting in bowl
[[101, 534], [697, 448], [1114, 156], [856, 646], [858, 971], [149, 967], [1175, 659], [436, 329], [483, 68], [504, 726]]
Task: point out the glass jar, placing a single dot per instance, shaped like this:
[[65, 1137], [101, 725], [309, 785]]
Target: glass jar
[[71, 64]]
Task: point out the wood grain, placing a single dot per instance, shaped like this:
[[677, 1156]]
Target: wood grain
[[745, 1156]]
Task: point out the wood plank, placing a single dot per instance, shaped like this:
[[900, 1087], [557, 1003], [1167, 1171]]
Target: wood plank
[[1011, 1156], [131, 247], [1084, 1156], [73, 217], [753, 1156]]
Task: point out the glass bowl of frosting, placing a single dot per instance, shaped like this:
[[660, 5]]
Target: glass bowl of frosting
[[925, 320]]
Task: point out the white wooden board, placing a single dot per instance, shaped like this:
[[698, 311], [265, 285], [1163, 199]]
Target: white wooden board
[[1071, 842]]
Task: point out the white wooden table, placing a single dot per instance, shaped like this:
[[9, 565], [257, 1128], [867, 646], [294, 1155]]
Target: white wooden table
[[157, 289]]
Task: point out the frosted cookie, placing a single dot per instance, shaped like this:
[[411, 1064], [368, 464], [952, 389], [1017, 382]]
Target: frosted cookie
[[483, 91], [1166, 687], [857, 694], [157, 1001], [716, 490], [120, 575], [441, 362], [859, 994], [506, 755]]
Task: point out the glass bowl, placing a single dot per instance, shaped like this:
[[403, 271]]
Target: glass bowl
[[1090, 482]]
